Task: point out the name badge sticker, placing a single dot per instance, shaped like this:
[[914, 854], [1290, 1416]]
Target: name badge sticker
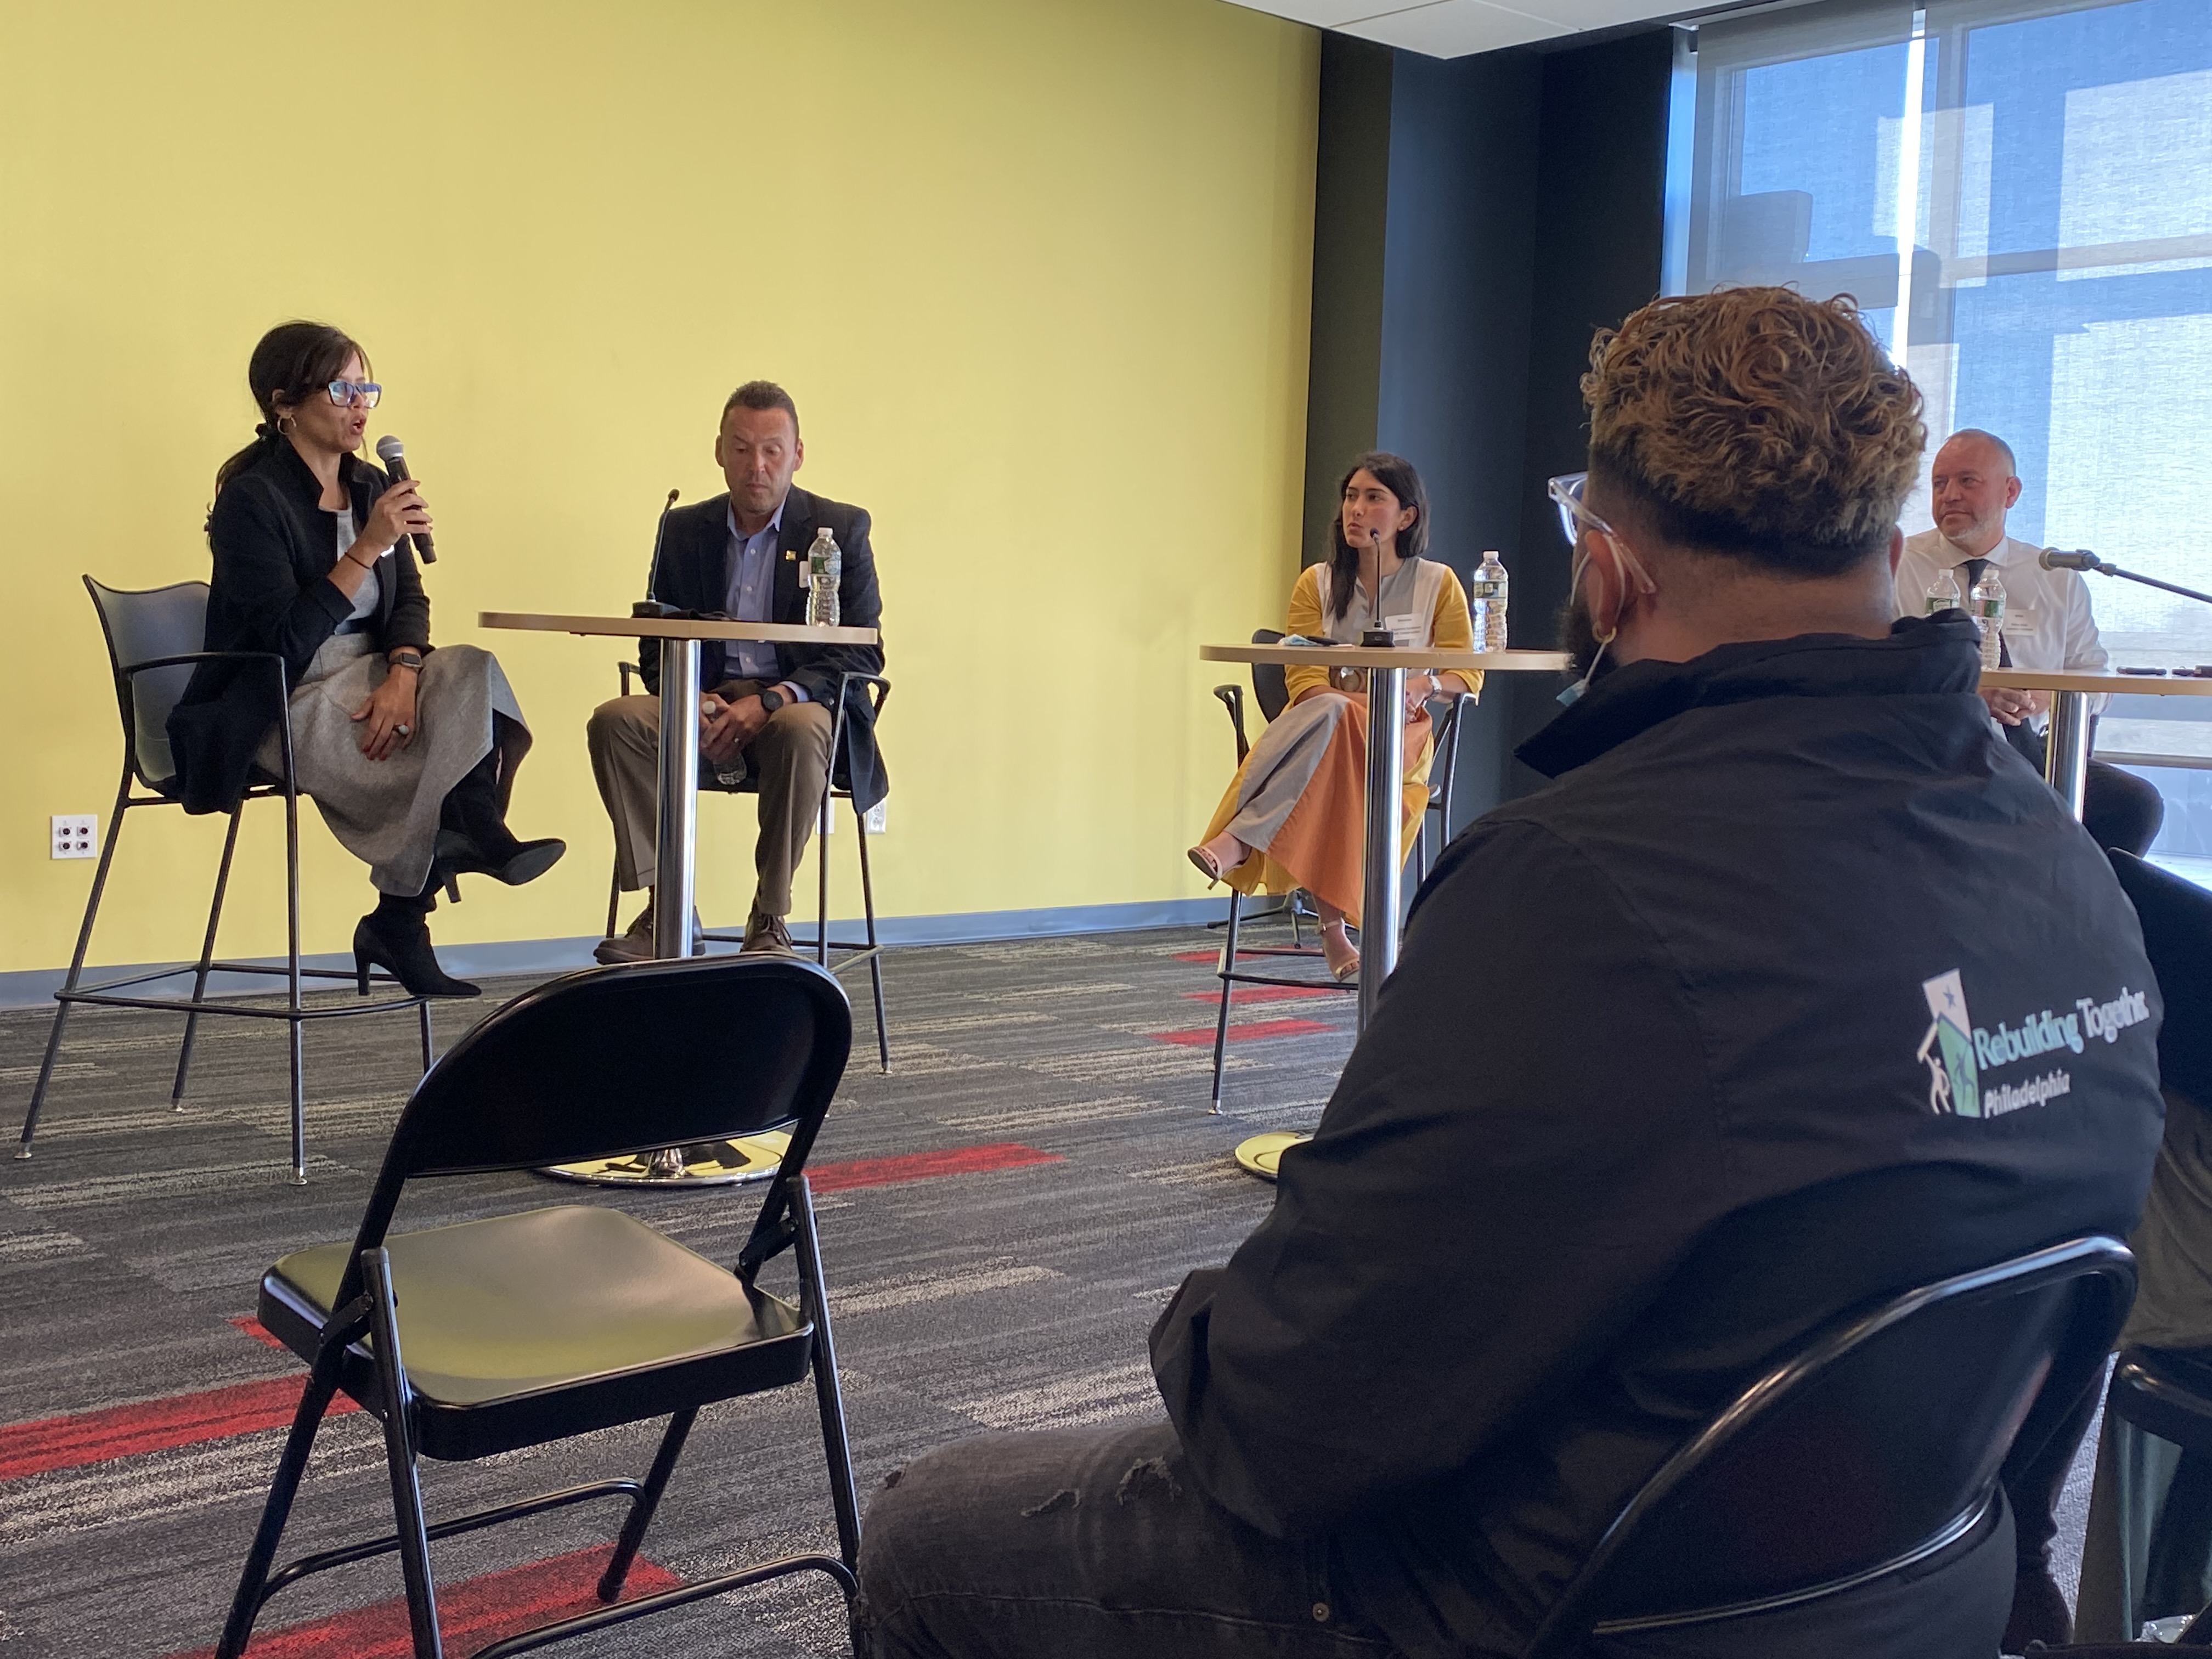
[[1405, 630]]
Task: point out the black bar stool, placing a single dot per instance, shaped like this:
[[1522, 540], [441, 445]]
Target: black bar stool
[[153, 642]]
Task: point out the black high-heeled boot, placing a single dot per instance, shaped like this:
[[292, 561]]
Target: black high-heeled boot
[[473, 838], [395, 936]]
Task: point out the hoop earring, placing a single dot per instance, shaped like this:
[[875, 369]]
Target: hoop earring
[[283, 425]]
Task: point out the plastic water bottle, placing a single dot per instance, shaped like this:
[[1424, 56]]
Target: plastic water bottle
[[1986, 605], [1488, 589], [826, 568], [1942, 593], [731, 773]]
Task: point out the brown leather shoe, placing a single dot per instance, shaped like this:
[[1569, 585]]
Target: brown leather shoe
[[768, 933], [636, 943]]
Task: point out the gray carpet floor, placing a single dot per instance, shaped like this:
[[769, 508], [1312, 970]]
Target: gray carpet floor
[[1002, 1298], [1009, 1297]]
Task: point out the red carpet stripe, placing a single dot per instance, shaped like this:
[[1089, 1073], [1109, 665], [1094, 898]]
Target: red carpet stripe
[[473, 1613], [1245, 1032], [1265, 994], [97, 1436], [100, 1436], [924, 1166], [254, 1329], [1201, 955]]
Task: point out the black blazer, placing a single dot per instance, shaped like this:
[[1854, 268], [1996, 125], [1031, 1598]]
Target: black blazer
[[694, 573], [275, 548]]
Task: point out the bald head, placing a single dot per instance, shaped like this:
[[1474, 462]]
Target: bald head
[[1971, 488]]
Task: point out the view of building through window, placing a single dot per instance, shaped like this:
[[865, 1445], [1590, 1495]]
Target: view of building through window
[[2020, 194]]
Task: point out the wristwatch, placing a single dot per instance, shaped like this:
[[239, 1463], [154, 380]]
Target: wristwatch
[[771, 699]]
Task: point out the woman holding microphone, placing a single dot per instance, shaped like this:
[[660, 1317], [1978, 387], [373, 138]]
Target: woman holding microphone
[[409, 753], [1295, 814]]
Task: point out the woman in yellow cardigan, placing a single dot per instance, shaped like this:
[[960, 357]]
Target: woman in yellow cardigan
[[1294, 815]]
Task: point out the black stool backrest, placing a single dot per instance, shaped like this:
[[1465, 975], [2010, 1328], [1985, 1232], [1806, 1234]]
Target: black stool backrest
[[145, 627], [1269, 688], [1876, 1444]]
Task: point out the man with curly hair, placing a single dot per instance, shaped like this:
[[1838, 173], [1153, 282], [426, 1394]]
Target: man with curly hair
[[1653, 1094]]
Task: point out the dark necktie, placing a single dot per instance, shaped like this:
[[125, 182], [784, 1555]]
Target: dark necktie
[[1973, 568]]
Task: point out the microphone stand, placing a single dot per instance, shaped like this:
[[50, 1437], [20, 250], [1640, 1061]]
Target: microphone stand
[[2104, 569], [2066, 753]]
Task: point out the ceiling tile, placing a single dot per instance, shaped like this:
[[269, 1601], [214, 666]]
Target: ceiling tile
[[1453, 28], [1322, 14], [1598, 14]]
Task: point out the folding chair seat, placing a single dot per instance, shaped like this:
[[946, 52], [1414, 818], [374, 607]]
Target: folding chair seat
[[469, 1341]]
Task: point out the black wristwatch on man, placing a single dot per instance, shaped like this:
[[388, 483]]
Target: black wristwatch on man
[[771, 699]]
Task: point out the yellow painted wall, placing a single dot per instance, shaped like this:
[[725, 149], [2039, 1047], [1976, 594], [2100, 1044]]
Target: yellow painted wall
[[1036, 271]]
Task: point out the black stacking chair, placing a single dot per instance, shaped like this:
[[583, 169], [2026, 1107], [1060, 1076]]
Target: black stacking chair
[[469, 1341], [1881, 1441], [849, 953], [153, 642], [1271, 692]]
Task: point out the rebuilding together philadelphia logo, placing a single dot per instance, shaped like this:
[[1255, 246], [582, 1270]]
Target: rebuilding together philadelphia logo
[[1956, 1051]]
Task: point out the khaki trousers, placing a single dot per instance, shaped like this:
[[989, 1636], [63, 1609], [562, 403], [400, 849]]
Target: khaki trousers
[[788, 758]]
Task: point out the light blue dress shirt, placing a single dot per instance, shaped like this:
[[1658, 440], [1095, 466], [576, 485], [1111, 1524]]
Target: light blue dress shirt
[[751, 590]]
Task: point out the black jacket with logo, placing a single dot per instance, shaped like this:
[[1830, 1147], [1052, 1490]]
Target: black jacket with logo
[[1796, 988]]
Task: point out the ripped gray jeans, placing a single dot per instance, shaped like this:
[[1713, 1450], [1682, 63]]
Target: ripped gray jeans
[[1086, 1544]]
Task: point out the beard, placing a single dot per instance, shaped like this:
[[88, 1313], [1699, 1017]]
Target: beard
[[1577, 635]]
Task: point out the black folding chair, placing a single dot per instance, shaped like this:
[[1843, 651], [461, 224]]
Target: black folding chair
[[153, 639], [1879, 1444], [851, 952], [1271, 692], [470, 1340]]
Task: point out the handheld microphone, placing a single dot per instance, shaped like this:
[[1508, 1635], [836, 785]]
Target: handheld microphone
[[393, 454], [2081, 559]]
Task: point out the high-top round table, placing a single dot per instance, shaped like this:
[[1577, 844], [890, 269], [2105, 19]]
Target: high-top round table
[[1386, 667], [677, 833], [1384, 858], [2066, 754]]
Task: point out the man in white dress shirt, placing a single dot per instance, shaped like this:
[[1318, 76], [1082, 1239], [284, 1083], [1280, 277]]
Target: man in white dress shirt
[[2048, 625]]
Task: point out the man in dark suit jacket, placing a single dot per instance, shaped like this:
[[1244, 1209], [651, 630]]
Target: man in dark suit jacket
[[770, 709]]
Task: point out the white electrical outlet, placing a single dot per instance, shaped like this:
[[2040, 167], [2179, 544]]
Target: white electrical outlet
[[76, 835], [875, 819]]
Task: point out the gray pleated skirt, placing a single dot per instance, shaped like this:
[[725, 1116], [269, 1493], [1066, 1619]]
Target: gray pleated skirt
[[386, 812]]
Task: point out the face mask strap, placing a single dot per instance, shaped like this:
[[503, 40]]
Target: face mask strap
[[1574, 693]]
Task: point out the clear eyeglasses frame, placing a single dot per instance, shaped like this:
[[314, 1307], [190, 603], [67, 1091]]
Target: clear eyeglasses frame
[[1566, 494], [343, 392]]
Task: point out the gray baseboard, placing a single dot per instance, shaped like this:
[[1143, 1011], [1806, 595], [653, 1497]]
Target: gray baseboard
[[33, 987]]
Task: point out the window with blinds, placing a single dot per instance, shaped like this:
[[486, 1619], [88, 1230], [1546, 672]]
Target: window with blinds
[[2020, 194]]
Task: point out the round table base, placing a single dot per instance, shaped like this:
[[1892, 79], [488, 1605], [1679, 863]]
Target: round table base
[[1261, 1154], [703, 1163]]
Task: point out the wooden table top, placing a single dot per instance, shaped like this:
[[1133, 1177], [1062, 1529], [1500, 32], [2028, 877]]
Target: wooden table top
[[1364, 656], [2150, 685], [653, 628]]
